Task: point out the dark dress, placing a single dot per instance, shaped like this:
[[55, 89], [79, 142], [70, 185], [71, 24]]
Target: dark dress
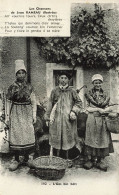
[[98, 142]]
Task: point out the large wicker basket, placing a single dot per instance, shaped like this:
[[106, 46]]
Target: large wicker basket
[[113, 124], [49, 168]]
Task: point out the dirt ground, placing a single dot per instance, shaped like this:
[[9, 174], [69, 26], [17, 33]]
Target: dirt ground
[[76, 179]]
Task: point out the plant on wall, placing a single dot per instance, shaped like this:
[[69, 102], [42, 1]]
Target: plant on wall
[[89, 45]]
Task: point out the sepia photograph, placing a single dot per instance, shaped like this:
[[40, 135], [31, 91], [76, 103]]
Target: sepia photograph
[[59, 98]]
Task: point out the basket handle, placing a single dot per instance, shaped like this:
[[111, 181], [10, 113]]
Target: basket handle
[[51, 151], [51, 154]]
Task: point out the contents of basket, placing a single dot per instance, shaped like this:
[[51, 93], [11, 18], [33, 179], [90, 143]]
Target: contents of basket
[[112, 122], [49, 168]]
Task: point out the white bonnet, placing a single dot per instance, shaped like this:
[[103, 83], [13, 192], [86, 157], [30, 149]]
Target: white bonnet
[[19, 65], [97, 77]]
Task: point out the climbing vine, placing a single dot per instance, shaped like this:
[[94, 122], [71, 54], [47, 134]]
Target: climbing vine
[[89, 44]]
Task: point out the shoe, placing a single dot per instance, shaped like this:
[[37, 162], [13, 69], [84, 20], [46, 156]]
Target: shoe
[[14, 165], [102, 166], [30, 164], [25, 160], [94, 160], [88, 165]]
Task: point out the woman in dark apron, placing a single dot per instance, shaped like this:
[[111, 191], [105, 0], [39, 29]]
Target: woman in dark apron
[[98, 142]]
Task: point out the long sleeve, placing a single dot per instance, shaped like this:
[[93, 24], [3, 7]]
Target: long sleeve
[[101, 101], [89, 99], [77, 107], [106, 101], [49, 106], [18, 92], [12, 92]]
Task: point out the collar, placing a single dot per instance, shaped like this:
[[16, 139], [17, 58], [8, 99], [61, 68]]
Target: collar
[[20, 83], [63, 87], [94, 90]]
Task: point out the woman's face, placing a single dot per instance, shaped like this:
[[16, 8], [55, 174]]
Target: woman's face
[[97, 84], [21, 74], [63, 80]]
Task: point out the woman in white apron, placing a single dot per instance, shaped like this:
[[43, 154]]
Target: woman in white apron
[[22, 115]]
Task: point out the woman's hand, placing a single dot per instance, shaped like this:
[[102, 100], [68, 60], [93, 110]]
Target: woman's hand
[[72, 116]]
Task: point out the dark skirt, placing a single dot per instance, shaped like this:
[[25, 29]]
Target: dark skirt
[[98, 152], [98, 141]]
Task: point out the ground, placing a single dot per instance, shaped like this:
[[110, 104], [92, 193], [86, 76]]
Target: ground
[[87, 182]]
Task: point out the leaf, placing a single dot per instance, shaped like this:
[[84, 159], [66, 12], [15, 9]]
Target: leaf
[[79, 60], [55, 40], [76, 51], [88, 48], [108, 64], [84, 55], [111, 53], [73, 62], [51, 44], [115, 55], [68, 57], [47, 47], [112, 47], [82, 50]]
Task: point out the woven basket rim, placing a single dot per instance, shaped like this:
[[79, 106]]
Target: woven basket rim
[[49, 168], [48, 156], [62, 166]]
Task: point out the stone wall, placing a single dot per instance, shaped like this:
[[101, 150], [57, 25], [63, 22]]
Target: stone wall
[[13, 49], [38, 71]]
